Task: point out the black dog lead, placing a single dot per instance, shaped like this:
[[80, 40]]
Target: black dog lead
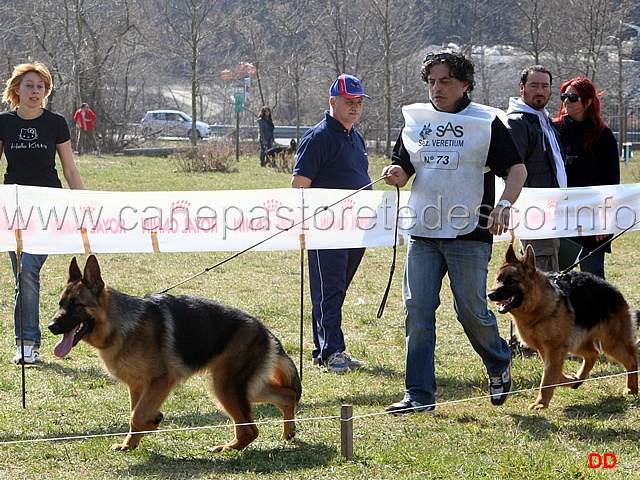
[[604, 244]]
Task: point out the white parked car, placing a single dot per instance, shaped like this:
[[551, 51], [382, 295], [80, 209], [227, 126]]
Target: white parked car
[[171, 123]]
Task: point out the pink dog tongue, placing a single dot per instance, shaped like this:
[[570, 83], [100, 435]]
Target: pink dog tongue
[[65, 345]]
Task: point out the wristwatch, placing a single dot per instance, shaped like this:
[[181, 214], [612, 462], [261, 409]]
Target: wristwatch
[[504, 204]]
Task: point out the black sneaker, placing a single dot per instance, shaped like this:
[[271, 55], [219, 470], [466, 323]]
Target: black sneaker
[[405, 407], [500, 386]]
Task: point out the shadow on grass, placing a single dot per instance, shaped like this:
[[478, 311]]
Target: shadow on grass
[[537, 426], [176, 422], [69, 369], [450, 389], [605, 409], [292, 457], [585, 420]]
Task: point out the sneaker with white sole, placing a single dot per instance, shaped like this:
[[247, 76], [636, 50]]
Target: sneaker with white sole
[[337, 363], [31, 355], [353, 363], [406, 406], [500, 386]]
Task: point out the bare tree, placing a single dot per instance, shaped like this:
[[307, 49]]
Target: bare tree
[[78, 39], [580, 49], [594, 18], [296, 23], [190, 23], [344, 29], [254, 25], [620, 122], [395, 24], [126, 56], [537, 21]]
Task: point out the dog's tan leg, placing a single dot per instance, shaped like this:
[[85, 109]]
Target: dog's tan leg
[[631, 366], [627, 355], [553, 362], [589, 353], [245, 429], [145, 411], [285, 399], [233, 399]]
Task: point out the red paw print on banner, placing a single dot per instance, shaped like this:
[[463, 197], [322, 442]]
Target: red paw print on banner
[[180, 206], [272, 205]]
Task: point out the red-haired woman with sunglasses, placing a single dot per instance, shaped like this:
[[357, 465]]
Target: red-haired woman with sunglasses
[[591, 154]]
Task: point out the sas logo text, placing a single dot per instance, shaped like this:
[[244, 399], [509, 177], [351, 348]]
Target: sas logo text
[[456, 130]]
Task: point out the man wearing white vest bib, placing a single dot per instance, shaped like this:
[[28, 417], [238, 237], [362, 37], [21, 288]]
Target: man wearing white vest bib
[[455, 148]]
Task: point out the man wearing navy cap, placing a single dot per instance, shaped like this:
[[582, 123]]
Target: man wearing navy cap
[[332, 154]]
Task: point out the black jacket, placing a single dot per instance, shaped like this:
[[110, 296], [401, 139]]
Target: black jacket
[[535, 150]]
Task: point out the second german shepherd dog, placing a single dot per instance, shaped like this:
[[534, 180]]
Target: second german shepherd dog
[[282, 154], [155, 342], [558, 313]]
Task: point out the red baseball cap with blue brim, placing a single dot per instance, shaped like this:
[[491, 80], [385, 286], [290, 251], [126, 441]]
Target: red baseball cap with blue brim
[[347, 86]]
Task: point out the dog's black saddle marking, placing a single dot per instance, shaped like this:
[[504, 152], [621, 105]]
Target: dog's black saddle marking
[[591, 298]]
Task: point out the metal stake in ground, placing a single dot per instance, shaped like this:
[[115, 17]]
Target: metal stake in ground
[[18, 234], [303, 248]]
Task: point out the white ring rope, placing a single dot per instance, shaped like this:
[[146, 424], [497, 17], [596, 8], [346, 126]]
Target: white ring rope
[[298, 420]]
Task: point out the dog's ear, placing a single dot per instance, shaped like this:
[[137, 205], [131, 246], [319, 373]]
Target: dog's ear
[[529, 259], [510, 256], [75, 274], [92, 278]]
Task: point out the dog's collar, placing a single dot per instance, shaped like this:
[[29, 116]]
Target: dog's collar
[[554, 279]]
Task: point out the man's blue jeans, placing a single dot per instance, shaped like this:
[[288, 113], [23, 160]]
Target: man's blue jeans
[[30, 289], [466, 262]]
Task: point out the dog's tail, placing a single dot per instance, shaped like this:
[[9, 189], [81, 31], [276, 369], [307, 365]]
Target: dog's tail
[[285, 372]]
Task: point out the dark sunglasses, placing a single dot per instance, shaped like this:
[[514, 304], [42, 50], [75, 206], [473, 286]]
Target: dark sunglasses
[[438, 57], [572, 97]]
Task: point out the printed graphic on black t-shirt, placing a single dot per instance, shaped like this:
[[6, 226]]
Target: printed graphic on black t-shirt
[[30, 148]]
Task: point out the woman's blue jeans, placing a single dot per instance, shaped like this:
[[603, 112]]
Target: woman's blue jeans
[[29, 304]]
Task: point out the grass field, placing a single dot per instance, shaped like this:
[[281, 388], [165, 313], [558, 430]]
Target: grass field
[[75, 411]]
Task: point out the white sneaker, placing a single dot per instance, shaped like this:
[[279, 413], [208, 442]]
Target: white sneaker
[[337, 363], [31, 355], [353, 363]]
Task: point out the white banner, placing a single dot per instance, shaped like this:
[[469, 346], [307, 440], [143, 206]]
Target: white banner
[[51, 220], [571, 212]]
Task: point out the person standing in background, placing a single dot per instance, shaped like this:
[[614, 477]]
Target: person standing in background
[[591, 155], [85, 121], [265, 132], [332, 154], [537, 142], [30, 137]]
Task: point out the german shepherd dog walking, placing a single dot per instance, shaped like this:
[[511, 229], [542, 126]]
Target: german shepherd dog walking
[[155, 342], [283, 154], [558, 313]]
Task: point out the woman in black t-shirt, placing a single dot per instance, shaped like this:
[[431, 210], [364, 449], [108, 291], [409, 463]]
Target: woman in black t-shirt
[[30, 137]]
